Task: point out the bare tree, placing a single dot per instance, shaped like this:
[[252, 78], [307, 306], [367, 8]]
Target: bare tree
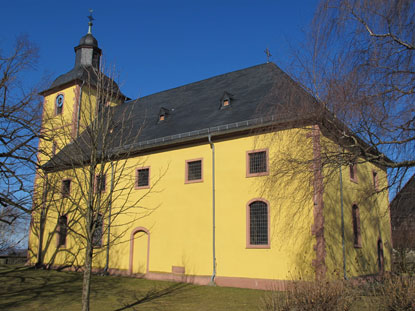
[[87, 188], [19, 128], [360, 65]]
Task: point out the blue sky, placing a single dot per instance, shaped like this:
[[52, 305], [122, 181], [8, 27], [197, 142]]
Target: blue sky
[[157, 45]]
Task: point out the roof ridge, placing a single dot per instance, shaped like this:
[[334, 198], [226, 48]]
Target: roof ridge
[[192, 83]]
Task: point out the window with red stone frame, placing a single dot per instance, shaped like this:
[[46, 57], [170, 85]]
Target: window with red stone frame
[[62, 230], [353, 172], [257, 163], [357, 237], [258, 224], [142, 178], [194, 171]]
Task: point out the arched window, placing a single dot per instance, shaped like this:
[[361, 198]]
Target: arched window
[[356, 226], [258, 224]]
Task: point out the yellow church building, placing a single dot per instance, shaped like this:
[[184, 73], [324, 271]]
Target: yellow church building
[[224, 181]]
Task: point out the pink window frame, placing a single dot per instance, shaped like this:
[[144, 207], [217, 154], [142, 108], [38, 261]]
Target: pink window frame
[[63, 104], [96, 183], [248, 174], [248, 225], [70, 188], [353, 167], [186, 180], [58, 234], [357, 234], [136, 177]]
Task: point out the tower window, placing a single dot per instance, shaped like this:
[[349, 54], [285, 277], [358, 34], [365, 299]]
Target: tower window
[[258, 224], [66, 188], [194, 171], [59, 104], [100, 183], [257, 163]]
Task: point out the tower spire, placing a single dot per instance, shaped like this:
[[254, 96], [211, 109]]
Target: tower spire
[[91, 18]]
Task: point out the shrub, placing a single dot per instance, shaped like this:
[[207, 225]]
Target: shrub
[[398, 293], [316, 296]]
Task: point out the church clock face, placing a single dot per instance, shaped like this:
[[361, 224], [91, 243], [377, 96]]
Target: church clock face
[[59, 104]]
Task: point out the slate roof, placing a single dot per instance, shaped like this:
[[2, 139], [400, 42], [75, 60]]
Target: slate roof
[[261, 94], [81, 74]]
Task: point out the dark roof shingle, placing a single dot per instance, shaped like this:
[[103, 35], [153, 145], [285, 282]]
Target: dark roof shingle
[[261, 91]]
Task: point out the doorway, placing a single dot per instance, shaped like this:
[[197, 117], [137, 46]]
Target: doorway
[[139, 251]]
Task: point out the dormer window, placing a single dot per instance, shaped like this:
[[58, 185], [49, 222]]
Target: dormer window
[[225, 101], [163, 114]]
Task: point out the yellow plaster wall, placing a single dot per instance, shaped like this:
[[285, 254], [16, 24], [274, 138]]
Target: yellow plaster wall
[[374, 220], [179, 215]]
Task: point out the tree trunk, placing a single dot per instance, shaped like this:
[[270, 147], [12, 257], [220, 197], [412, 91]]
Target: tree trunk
[[39, 259], [86, 285]]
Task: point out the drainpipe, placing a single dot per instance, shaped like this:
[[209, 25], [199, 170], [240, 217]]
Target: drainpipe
[[109, 219], [342, 220], [212, 146]]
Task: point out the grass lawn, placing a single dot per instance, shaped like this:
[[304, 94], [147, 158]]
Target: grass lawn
[[23, 288]]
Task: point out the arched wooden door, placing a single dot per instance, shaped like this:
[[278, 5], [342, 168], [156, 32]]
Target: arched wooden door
[[139, 251]]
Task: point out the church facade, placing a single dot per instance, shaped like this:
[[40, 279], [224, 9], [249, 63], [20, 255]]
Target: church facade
[[221, 180]]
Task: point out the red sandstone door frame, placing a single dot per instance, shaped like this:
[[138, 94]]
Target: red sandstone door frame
[[133, 233]]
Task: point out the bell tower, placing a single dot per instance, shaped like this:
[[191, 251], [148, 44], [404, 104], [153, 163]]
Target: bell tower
[[87, 52]]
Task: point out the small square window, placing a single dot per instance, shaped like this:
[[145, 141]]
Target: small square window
[[142, 178], [257, 163], [66, 188], [194, 171], [100, 183]]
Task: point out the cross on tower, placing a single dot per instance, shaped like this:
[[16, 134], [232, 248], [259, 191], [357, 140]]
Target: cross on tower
[[91, 18], [268, 54]]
